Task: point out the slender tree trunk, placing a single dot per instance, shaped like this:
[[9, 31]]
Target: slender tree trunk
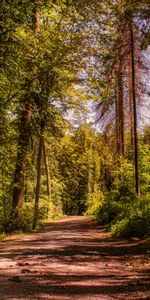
[[38, 180], [89, 179], [134, 110], [120, 111], [94, 168], [117, 123], [23, 143], [26, 185], [94, 175], [136, 87], [130, 103], [34, 149], [36, 12], [48, 179]]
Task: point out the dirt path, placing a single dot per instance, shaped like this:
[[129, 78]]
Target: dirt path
[[74, 259]]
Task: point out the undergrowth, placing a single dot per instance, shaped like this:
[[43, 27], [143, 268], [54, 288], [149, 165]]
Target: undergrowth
[[124, 219], [125, 215]]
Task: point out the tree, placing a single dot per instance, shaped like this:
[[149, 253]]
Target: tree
[[24, 134], [79, 163], [57, 56], [54, 68]]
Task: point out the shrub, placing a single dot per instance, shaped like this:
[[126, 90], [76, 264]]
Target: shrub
[[94, 209], [123, 185], [144, 169], [136, 221], [25, 217], [22, 219], [108, 211], [95, 201]]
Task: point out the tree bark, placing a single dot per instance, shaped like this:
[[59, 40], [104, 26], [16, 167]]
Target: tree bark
[[48, 179], [137, 189], [23, 143], [119, 110], [130, 102], [38, 180], [117, 123]]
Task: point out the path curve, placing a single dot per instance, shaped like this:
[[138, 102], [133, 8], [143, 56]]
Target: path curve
[[74, 259]]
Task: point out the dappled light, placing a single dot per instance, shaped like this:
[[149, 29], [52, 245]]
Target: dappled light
[[71, 258], [74, 150]]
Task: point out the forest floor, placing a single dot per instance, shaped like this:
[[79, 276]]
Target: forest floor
[[73, 258]]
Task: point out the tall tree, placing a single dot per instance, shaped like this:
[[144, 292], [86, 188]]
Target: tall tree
[[134, 101], [24, 133]]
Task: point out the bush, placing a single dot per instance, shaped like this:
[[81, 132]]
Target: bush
[[95, 201], [119, 209], [108, 211], [136, 221], [144, 169], [123, 185], [22, 219], [25, 217], [94, 209]]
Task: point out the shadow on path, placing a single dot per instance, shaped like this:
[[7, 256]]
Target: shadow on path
[[74, 259]]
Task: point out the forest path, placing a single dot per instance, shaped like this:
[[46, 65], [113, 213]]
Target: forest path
[[74, 258]]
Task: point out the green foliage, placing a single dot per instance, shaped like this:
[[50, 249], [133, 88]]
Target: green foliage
[[24, 222], [122, 192], [57, 194], [135, 222], [79, 164], [126, 215], [144, 166], [106, 211], [43, 207], [95, 201], [123, 184], [20, 220], [2, 236], [46, 69]]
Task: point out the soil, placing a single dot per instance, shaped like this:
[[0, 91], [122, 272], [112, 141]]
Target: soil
[[74, 259]]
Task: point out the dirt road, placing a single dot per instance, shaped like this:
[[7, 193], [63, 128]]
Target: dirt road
[[74, 259]]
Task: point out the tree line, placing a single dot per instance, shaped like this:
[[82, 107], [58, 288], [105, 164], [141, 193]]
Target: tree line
[[59, 56]]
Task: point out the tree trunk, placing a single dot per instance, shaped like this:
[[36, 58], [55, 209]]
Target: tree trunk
[[117, 124], [23, 143], [36, 13], [119, 111], [48, 179], [134, 109], [131, 107], [38, 180]]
